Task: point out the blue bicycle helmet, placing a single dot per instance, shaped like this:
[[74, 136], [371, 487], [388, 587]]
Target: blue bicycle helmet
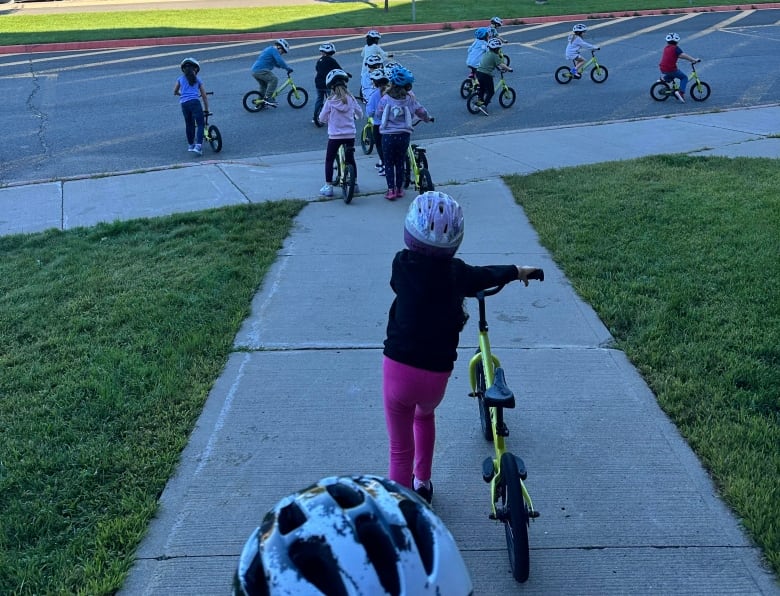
[[401, 77], [482, 33]]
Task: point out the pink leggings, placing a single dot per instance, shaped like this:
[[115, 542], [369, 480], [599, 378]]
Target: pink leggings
[[410, 398]]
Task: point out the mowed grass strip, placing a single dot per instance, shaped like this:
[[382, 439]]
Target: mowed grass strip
[[679, 257], [110, 340], [21, 27]]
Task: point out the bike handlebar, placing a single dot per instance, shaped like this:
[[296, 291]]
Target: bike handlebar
[[537, 274]]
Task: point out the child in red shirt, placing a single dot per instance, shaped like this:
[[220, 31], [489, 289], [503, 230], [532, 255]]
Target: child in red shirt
[[668, 64]]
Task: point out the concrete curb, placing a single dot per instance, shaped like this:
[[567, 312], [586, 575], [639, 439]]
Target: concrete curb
[[262, 36]]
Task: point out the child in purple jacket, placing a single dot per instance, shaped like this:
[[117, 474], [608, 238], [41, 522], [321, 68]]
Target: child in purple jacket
[[340, 111]]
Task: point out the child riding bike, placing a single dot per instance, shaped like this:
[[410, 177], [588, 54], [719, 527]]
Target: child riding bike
[[668, 65], [575, 45], [262, 69], [477, 49], [491, 61]]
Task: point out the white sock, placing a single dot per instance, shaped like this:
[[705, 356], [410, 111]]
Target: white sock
[[420, 484]]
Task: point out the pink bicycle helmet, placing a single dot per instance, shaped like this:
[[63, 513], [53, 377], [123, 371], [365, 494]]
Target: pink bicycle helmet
[[434, 225]]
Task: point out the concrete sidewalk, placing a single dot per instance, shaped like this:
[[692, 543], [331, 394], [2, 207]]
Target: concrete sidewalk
[[626, 507]]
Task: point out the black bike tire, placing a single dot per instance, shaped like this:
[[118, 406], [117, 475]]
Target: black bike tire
[[471, 103], [596, 74], [422, 160], [563, 75], [294, 100], [507, 97], [659, 91], [348, 183], [484, 412], [426, 182], [249, 105], [215, 138], [367, 139], [515, 518], [467, 86], [700, 91]]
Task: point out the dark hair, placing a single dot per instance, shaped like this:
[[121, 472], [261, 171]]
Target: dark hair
[[189, 73], [371, 41]]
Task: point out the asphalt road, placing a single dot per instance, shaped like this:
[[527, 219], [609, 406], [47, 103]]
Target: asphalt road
[[81, 113]]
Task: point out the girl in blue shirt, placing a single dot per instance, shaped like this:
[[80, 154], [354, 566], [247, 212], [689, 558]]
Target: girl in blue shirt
[[191, 90]]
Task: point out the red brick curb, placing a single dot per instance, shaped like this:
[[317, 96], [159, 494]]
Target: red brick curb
[[194, 39]]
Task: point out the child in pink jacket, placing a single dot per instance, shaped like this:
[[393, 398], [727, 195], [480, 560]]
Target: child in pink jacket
[[339, 112]]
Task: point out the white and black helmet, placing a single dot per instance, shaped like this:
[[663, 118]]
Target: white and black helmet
[[190, 62], [373, 60], [374, 34], [328, 48], [352, 536], [377, 74], [336, 77], [494, 43], [579, 28], [496, 21], [672, 37], [283, 44]]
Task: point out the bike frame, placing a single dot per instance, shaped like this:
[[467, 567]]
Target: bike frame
[[592, 61], [489, 362], [674, 82]]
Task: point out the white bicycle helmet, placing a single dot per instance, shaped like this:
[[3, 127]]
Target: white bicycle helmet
[[579, 28], [496, 21], [336, 77], [190, 62], [378, 75], [283, 44], [374, 34], [434, 225], [354, 536], [672, 37], [328, 48], [494, 43], [373, 60]]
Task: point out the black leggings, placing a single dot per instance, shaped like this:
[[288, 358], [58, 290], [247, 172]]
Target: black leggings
[[486, 87], [330, 156]]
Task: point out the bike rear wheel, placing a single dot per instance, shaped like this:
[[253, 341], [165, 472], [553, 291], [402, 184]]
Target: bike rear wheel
[[484, 411], [297, 97], [660, 91], [700, 91], [467, 86], [515, 517], [471, 102], [507, 97], [367, 139], [215, 138], [563, 75], [253, 101], [599, 74], [426, 182], [348, 183]]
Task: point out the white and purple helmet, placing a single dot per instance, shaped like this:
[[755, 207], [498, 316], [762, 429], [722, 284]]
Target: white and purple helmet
[[353, 536], [434, 225]]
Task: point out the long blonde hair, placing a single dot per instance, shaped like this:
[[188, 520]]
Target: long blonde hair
[[340, 93]]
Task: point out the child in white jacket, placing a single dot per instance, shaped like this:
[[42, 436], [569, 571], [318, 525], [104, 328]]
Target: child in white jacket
[[575, 45]]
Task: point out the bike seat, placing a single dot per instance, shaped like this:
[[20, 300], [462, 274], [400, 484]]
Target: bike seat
[[498, 394]]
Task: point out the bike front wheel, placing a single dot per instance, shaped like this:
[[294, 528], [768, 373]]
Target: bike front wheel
[[348, 183], [515, 517], [507, 97], [563, 75], [253, 101], [367, 139], [297, 97], [467, 86], [425, 182], [660, 91], [215, 138], [599, 74], [700, 91], [471, 103]]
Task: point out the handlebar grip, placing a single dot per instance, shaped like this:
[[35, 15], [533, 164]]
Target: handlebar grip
[[537, 274]]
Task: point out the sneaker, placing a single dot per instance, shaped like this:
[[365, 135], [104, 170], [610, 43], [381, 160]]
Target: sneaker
[[680, 96], [270, 103], [399, 193], [316, 123], [425, 493], [191, 147], [326, 190], [381, 170], [390, 194], [378, 165], [483, 109], [198, 149]]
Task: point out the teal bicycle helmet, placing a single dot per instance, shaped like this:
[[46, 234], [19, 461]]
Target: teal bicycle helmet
[[400, 76]]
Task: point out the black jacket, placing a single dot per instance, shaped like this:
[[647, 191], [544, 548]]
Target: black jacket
[[427, 316], [324, 65]]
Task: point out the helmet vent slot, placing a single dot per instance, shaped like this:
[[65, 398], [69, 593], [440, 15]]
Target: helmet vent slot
[[346, 496], [316, 563], [421, 531], [381, 552], [291, 518]]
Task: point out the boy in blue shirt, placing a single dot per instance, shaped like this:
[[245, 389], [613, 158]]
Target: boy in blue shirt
[[262, 69]]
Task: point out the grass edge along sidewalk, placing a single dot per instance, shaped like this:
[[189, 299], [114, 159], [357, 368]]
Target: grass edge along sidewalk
[[106, 363], [92, 30]]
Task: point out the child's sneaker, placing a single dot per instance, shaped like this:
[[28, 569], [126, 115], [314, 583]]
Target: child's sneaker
[[381, 170], [399, 193], [680, 96], [378, 165], [390, 194], [191, 147], [198, 150], [483, 109], [425, 492], [326, 190]]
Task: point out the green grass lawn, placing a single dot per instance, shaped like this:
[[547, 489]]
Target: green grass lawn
[[681, 264], [30, 29]]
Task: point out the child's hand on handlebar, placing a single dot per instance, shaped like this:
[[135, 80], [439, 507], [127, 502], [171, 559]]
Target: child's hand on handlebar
[[526, 273]]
